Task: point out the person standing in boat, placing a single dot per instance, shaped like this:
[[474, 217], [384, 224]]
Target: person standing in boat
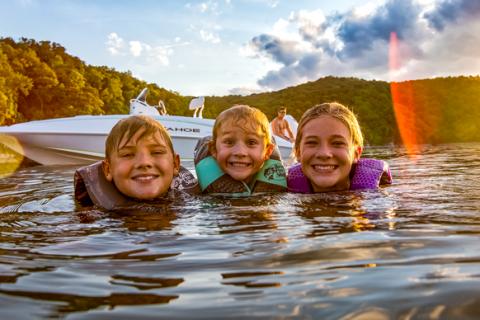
[[280, 126]]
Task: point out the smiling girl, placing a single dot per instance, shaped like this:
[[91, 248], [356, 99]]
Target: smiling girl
[[328, 147]]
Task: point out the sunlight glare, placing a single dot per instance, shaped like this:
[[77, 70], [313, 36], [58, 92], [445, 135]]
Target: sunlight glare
[[10, 155], [403, 102]]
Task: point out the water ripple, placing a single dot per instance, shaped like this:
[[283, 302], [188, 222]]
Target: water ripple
[[406, 251]]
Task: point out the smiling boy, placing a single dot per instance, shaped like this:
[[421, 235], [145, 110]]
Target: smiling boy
[[140, 160], [240, 156], [140, 164]]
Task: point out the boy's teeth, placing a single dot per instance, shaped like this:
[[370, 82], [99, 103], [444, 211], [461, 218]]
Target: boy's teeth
[[238, 164], [144, 178], [319, 167]]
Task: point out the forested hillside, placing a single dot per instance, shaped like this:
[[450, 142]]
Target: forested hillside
[[39, 80], [370, 100]]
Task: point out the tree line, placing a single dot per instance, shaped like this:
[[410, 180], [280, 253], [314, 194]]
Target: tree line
[[40, 80]]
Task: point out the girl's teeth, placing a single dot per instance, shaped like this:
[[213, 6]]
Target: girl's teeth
[[317, 167]]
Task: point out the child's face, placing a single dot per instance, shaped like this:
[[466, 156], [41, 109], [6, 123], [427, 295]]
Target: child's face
[[327, 153], [241, 153], [142, 169]]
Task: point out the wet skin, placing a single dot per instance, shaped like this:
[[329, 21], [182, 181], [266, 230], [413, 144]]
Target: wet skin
[[327, 153], [142, 169], [241, 153]]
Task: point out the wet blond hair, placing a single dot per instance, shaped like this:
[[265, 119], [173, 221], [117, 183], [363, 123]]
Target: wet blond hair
[[246, 117], [126, 129], [337, 111]]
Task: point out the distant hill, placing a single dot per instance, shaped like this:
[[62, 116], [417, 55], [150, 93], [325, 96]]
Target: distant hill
[[370, 100], [439, 110], [39, 80]]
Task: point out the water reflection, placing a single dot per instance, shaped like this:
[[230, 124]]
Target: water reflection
[[406, 251], [75, 303], [329, 215], [344, 212], [251, 279], [250, 215], [154, 220], [143, 283]]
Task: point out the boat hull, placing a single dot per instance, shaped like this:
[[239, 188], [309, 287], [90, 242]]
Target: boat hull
[[81, 139]]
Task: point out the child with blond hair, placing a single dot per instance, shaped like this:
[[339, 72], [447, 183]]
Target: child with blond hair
[[140, 165], [328, 148], [240, 158]]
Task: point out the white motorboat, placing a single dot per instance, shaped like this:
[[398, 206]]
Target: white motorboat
[[81, 139]]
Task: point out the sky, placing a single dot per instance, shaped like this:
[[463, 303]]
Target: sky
[[222, 47]]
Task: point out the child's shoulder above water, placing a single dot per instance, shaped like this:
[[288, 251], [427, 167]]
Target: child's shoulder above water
[[240, 157], [140, 165], [328, 147]]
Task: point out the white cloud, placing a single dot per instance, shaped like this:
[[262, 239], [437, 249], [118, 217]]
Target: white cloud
[[310, 23], [115, 44], [203, 7], [364, 10], [160, 54], [209, 37], [272, 3], [282, 28], [431, 42], [208, 7], [135, 48], [245, 91], [248, 50], [144, 52]]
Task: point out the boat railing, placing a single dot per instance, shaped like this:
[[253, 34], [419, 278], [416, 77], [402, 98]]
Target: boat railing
[[139, 105], [197, 104]]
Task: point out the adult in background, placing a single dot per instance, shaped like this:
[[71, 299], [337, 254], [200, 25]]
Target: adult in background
[[280, 126]]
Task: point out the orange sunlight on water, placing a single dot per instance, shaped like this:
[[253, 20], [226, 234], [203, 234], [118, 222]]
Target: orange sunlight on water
[[10, 155]]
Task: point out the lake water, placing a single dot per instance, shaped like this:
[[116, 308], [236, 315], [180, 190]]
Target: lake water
[[407, 251]]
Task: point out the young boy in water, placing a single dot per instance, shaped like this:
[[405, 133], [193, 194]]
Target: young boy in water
[[328, 146], [140, 164], [240, 157]]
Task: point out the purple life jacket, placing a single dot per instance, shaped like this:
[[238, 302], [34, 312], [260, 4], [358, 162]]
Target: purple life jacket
[[366, 174]]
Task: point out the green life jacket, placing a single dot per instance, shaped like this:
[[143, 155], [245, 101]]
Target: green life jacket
[[270, 178]]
